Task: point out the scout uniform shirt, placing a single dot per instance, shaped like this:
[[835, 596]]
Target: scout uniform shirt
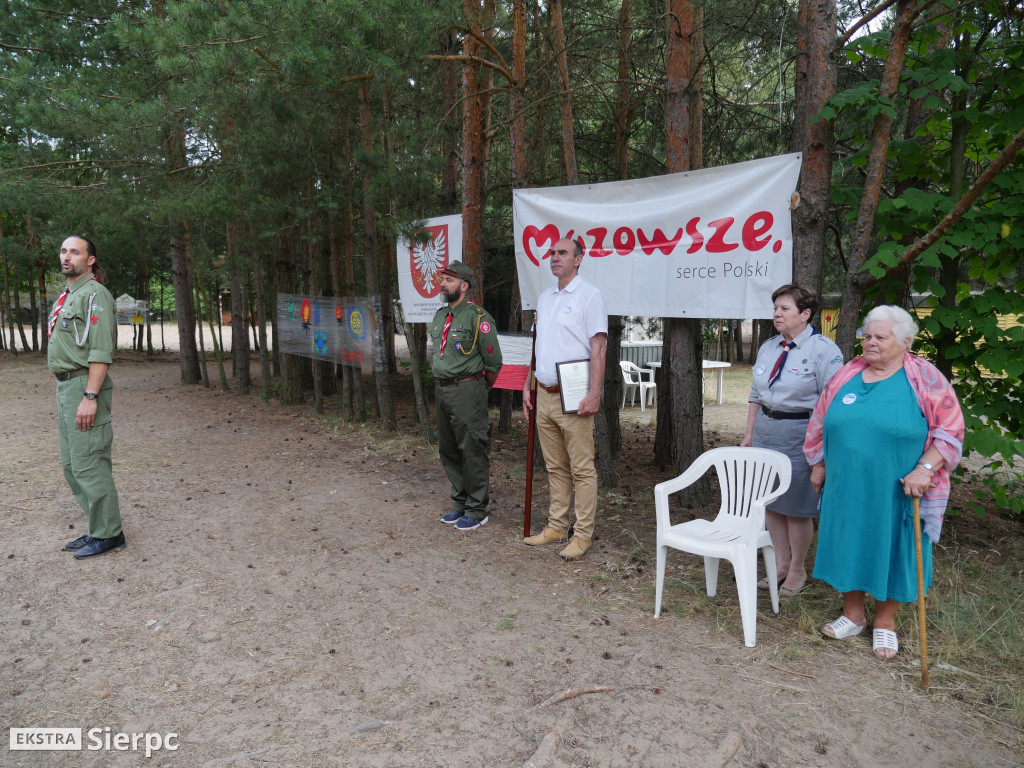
[[471, 345], [84, 329]]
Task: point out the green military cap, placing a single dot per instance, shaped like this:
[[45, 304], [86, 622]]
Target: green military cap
[[459, 270]]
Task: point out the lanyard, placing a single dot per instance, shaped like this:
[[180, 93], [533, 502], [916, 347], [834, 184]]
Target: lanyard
[[444, 336], [56, 311]]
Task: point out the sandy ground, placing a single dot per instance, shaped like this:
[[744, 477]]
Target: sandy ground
[[288, 597]]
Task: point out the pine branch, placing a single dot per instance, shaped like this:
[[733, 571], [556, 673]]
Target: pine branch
[[1003, 159], [483, 62]]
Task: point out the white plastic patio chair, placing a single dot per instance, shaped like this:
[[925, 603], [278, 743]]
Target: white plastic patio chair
[[633, 379], [750, 479]]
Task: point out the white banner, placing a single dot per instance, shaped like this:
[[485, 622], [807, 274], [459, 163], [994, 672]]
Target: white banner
[[420, 265], [710, 243]]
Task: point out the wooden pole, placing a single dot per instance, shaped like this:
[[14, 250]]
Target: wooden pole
[[531, 434], [921, 616]]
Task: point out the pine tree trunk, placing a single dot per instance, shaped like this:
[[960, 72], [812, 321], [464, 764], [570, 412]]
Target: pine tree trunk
[[624, 110], [473, 150], [239, 303], [385, 405], [413, 334], [266, 380], [572, 175], [679, 437], [214, 323], [853, 285], [290, 376], [204, 373], [353, 392], [519, 175], [449, 201], [612, 397], [816, 76], [184, 305], [17, 307], [44, 308], [33, 307]]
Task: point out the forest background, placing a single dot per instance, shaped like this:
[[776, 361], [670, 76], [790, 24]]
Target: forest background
[[284, 146]]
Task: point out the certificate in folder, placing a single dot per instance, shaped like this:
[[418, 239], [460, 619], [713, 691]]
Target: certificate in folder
[[573, 383]]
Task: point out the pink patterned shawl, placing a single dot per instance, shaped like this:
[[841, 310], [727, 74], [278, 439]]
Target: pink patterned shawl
[[941, 412]]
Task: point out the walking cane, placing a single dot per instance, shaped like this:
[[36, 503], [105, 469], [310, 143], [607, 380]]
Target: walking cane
[[921, 618], [530, 435]]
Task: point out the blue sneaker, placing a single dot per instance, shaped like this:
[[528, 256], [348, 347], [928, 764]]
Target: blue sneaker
[[468, 524], [451, 518]]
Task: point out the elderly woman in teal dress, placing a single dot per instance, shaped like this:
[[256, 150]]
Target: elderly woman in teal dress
[[887, 428]]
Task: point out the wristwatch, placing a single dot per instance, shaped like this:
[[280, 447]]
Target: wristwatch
[[92, 396], [926, 465]]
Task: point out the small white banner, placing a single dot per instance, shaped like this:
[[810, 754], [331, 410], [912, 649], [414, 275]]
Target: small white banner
[[46, 739], [712, 243], [421, 262]]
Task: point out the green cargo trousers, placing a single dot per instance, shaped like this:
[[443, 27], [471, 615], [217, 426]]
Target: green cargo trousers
[[85, 455], [463, 441]]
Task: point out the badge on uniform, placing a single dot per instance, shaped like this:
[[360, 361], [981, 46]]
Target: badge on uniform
[[485, 327], [63, 323], [759, 370]]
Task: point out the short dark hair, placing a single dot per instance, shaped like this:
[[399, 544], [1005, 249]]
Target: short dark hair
[[579, 247], [804, 298]]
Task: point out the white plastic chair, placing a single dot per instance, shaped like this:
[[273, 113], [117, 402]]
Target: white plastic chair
[[633, 379], [750, 479]]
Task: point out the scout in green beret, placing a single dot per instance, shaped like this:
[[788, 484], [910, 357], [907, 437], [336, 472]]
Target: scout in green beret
[[466, 362]]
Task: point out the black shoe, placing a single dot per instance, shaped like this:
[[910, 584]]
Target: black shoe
[[100, 546], [78, 543]]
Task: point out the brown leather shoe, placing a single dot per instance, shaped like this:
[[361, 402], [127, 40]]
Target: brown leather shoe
[[576, 549], [548, 536]]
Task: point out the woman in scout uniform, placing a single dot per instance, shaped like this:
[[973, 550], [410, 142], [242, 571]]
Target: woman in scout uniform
[[790, 373]]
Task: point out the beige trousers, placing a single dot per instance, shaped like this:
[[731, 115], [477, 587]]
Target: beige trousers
[[568, 444]]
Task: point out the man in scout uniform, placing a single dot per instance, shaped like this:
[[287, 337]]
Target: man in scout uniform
[[83, 336], [466, 362]]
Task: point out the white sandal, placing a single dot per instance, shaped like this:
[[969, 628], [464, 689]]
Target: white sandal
[[843, 628], [884, 640]]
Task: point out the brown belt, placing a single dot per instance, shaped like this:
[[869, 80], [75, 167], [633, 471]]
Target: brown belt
[[553, 389], [72, 374], [450, 382]]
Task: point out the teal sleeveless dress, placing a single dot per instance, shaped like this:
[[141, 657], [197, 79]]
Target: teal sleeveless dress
[[874, 434]]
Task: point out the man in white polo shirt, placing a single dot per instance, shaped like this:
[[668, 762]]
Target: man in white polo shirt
[[572, 324]]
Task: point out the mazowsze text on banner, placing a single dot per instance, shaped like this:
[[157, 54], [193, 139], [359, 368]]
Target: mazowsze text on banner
[[709, 243]]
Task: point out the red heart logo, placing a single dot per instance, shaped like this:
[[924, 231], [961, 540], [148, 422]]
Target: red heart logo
[[548, 234]]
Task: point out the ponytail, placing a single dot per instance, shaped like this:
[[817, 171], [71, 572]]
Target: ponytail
[[97, 271]]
